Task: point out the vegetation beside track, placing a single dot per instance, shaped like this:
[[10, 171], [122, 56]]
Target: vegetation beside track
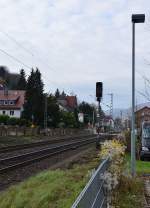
[[57, 188], [130, 192], [142, 167]]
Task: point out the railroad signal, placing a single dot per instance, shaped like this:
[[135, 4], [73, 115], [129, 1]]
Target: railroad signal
[[99, 90]]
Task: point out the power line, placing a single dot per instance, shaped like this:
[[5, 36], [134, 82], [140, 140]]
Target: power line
[[24, 64], [17, 43], [14, 58], [25, 49], [29, 52], [145, 96], [146, 83]]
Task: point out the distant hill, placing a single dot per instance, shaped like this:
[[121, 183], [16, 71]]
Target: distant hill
[[8, 79]]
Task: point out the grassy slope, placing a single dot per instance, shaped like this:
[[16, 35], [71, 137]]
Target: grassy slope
[[50, 189], [141, 166]]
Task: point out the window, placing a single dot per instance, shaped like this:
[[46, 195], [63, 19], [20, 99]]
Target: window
[[11, 102], [11, 112], [4, 112], [6, 102], [1, 102]]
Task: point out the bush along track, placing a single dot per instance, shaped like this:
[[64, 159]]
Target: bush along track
[[123, 191]]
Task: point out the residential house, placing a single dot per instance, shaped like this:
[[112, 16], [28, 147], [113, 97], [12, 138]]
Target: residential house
[[67, 103], [142, 114], [11, 102], [108, 122]]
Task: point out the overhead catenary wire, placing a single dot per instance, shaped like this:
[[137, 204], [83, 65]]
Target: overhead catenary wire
[[17, 43], [146, 83], [25, 65], [14, 58], [30, 53], [142, 94], [25, 49]]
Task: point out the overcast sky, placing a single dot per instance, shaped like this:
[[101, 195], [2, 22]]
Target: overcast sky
[[76, 43]]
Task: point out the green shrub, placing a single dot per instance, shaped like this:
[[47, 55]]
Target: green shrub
[[4, 119], [23, 122], [127, 135], [13, 121]]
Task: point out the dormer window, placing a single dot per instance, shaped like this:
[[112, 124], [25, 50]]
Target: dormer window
[[1, 102], [11, 102], [6, 102]]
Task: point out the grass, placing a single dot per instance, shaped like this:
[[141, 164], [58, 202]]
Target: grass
[[142, 167], [129, 193], [50, 189]]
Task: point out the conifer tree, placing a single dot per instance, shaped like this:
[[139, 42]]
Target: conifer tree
[[34, 105], [57, 93], [63, 94], [21, 85]]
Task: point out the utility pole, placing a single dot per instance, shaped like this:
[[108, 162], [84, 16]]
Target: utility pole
[[93, 117], [99, 118], [111, 104], [45, 114], [136, 18]]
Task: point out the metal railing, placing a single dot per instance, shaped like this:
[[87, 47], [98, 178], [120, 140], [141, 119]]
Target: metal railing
[[94, 194]]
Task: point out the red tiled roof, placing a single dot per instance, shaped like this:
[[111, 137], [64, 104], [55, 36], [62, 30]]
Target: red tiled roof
[[141, 109], [71, 101], [16, 95]]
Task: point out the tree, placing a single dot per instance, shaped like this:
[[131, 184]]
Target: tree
[[34, 104], [63, 94], [4, 72], [118, 123], [87, 110], [53, 113], [57, 93], [22, 81], [68, 119], [7, 79]]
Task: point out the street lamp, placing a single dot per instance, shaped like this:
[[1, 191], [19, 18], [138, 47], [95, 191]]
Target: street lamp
[[136, 18]]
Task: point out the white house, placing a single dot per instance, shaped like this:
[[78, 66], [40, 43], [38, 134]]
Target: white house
[[11, 102]]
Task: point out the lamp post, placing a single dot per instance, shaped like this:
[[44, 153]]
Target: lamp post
[[136, 18]]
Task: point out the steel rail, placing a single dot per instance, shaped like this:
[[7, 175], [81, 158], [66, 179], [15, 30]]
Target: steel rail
[[40, 143], [45, 154]]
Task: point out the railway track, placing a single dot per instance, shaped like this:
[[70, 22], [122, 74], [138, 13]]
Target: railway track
[[40, 143], [21, 160]]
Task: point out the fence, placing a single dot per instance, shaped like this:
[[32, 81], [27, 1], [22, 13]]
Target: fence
[[7, 130], [94, 195]]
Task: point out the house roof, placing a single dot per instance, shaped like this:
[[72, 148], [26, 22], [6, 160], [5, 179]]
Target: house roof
[[140, 109], [107, 118], [71, 101], [15, 95], [68, 102]]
